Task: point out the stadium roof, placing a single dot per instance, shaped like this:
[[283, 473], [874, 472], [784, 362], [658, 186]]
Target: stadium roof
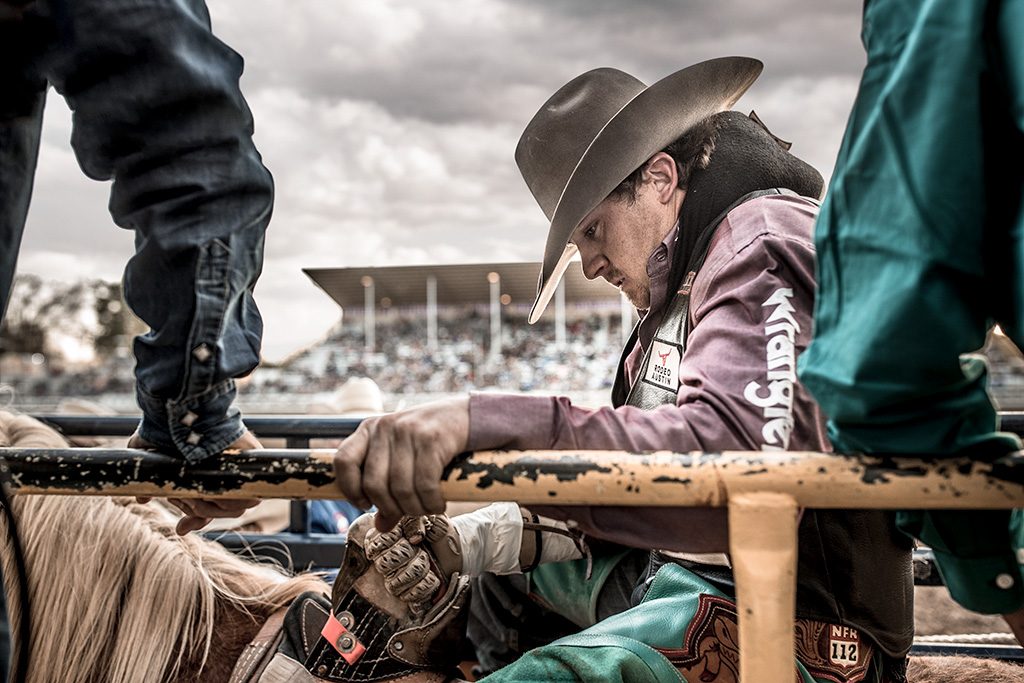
[[456, 284]]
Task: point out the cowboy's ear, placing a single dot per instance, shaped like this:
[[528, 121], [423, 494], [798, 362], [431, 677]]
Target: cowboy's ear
[[662, 174]]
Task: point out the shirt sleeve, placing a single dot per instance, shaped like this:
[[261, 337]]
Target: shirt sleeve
[[737, 392]]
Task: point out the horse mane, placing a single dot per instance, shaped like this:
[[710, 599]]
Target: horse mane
[[117, 596]]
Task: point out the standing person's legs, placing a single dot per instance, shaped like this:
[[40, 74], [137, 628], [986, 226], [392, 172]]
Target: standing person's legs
[[903, 290], [908, 241], [158, 110], [1004, 146], [1006, 149], [22, 97], [21, 118]]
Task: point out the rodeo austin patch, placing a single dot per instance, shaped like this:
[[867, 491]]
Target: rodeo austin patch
[[663, 365]]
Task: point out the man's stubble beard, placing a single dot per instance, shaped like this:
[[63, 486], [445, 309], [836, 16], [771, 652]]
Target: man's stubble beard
[[640, 297]]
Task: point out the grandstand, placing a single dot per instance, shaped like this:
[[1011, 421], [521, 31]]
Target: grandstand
[[431, 292], [422, 332]]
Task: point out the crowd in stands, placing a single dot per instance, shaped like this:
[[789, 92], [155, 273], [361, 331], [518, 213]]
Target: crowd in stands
[[408, 370], [36, 377], [402, 361]]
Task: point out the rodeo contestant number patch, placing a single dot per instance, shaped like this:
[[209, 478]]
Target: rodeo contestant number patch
[[663, 366], [844, 645]]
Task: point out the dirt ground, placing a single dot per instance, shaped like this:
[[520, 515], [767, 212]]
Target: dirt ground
[[935, 613]]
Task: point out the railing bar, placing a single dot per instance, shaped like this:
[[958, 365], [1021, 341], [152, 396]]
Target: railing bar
[[299, 425], [816, 480], [263, 426]]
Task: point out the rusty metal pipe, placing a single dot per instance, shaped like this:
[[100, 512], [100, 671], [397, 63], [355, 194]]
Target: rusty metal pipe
[[556, 477]]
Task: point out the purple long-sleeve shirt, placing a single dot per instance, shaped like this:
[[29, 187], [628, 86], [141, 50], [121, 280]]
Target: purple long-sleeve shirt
[[750, 316]]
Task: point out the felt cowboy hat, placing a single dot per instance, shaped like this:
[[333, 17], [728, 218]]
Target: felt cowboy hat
[[600, 127]]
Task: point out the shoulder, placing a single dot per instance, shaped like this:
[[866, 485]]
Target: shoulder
[[781, 216], [772, 222], [768, 236]]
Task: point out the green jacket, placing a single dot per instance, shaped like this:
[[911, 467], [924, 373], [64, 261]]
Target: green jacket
[[921, 250]]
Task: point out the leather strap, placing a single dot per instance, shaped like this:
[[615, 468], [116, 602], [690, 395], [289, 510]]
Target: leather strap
[[260, 650]]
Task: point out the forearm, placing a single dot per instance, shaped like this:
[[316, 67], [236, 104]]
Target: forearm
[[512, 421]]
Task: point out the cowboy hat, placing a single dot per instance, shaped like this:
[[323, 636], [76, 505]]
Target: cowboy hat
[[600, 127], [357, 397]]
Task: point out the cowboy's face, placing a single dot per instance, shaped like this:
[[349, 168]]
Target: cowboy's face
[[617, 238]]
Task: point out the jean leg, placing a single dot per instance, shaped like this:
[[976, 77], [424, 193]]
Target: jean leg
[[21, 118], [157, 109]]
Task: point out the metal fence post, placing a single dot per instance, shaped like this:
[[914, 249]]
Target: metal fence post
[[763, 542], [298, 510]]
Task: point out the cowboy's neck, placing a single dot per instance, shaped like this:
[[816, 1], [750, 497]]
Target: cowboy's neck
[[659, 266]]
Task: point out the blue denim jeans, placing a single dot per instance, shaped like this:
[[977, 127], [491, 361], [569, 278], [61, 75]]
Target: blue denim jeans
[[157, 110]]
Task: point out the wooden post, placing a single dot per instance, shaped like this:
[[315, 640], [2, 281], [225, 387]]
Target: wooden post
[[763, 543]]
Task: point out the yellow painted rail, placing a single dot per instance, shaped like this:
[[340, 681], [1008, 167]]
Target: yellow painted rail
[[762, 492], [555, 477]]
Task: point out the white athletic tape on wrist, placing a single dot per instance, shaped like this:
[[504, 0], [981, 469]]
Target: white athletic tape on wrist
[[490, 538], [556, 547]]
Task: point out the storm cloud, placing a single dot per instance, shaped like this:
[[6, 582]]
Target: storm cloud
[[390, 126]]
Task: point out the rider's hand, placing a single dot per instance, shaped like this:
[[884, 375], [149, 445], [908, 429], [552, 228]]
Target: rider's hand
[[199, 511], [417, 557], [395, 461]]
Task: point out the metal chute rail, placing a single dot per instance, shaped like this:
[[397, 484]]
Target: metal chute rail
[[762, 492]]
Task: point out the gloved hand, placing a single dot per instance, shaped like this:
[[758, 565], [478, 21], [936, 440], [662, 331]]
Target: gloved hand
[[421, 554], [417, 558], [372, 635]]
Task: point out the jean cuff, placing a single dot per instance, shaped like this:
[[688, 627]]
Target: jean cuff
[[194, 427]]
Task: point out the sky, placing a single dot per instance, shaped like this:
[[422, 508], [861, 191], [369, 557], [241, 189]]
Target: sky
[[390, 126]]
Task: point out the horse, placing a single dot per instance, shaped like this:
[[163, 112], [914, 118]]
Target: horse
[[116, 596]]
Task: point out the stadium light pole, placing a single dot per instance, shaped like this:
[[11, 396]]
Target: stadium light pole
[[560, 314], [495, 281], [369, 323], [431, 312]]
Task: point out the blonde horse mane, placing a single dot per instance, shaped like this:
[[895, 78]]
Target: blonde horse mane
[[117, 597]]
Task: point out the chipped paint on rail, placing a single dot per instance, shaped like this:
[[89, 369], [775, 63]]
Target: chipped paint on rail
[[567, 468], [562, 477]]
